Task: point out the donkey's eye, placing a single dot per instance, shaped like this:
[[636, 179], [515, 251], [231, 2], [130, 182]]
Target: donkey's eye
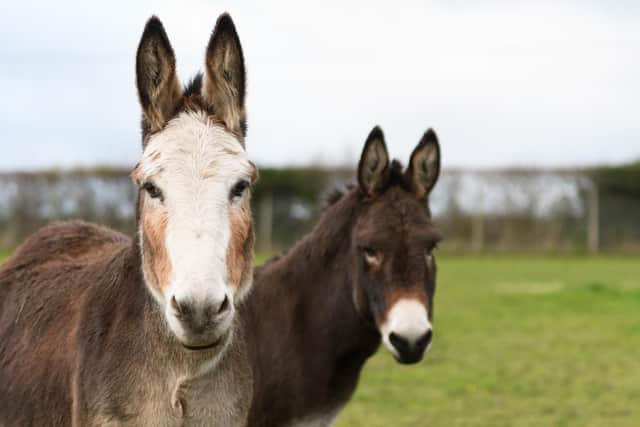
[[153, 191], [371, 256], [428, 259], [238, 189], [370, 252], [428, 256]]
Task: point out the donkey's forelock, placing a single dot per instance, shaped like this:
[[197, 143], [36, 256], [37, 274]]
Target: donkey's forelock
[[193, 102], [193, 86], [197, 135]]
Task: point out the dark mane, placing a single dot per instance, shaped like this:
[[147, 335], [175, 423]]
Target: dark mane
[[335, 194], [192, 99], [396, 178], [193, 86], [396, 175]]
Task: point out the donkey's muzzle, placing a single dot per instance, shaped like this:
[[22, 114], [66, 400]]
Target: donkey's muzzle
[[410, 351], [204, 324]]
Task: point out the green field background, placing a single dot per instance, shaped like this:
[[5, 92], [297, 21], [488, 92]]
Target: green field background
[[518, 341]]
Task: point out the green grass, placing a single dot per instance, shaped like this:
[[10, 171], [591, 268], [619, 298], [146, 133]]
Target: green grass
[[4, 254], [261, 257], [518, 342]]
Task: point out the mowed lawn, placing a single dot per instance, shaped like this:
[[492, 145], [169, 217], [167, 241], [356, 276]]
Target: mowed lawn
[[518, 341]]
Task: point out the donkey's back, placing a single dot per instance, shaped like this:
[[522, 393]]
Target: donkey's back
[[43, 287]]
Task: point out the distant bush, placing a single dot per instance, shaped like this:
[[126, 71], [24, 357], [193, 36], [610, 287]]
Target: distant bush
[[619, 180], [619, 200]]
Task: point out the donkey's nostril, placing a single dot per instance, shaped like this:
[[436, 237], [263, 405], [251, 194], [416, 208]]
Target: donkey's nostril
[[410, 350], [224, 305], [182, 309], [401, 344], [424, 341]]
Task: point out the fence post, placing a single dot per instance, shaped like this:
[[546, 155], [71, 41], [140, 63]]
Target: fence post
[[477, 226], [266, 222], [593, 220]]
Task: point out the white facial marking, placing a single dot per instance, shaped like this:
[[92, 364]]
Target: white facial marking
[[195, 164], [407, 318]]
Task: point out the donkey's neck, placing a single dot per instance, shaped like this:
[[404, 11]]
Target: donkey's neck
[[130, 298], [311, 341]]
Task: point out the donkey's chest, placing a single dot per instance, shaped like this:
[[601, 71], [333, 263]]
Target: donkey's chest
[[221, 398], [178, 404], [143, 406]]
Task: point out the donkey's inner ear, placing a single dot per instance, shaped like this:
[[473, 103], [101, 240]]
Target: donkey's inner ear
[[224, 80], [424, 166], [373, 169], [158, 86]]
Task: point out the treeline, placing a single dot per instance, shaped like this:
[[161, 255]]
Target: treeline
[[478, 211], [619, 201]]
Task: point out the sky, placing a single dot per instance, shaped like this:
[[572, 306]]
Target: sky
[[503, 83]]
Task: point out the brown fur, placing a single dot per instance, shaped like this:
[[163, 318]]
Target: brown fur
[[313, 329], [237, 255], [43, 305], [155, 258], [314, 312], [80, 337]]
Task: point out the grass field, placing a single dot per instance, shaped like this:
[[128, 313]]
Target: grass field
[[535, 342], [518, 342], [4, 253]]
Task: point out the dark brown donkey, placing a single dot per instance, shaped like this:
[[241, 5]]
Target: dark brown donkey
[[98, 330], [365, 274]]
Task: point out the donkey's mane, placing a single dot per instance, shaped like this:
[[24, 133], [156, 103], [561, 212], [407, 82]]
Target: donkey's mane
[[192, 100], [335, 194], [396, 178], [193, 86]]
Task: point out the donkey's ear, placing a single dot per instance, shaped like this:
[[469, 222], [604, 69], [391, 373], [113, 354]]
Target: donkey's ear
[[158, 86], [373, 169], [424, 166], [224, 80]]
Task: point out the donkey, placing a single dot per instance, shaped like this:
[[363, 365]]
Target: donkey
[[99, 329], [366, 273]]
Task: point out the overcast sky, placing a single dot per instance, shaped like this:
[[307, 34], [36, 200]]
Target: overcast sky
[[504, 83]]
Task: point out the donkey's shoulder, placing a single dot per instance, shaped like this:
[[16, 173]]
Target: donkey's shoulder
[[42, 298], [66, 241]]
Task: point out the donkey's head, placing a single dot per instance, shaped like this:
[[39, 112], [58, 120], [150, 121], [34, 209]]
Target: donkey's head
[[393, 241], [194, 179]]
